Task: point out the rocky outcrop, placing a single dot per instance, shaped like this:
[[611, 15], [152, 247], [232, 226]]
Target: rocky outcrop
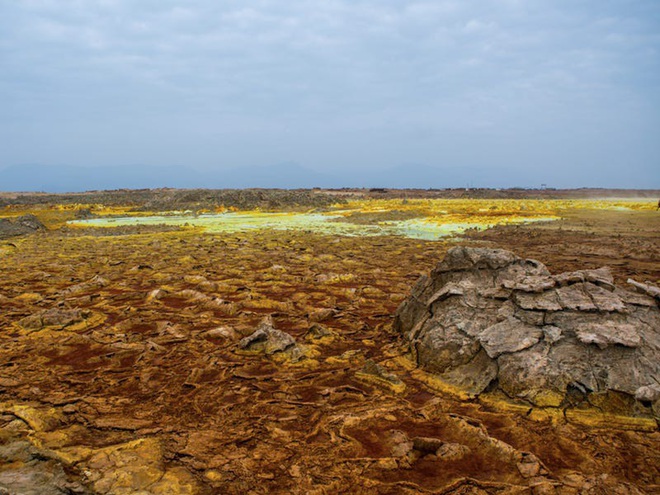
[[376, 374], [488, 319], [26, 224]]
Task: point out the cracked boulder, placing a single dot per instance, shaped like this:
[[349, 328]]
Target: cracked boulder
[[488, 319]]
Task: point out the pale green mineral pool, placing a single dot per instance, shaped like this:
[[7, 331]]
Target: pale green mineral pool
[[418, 228]]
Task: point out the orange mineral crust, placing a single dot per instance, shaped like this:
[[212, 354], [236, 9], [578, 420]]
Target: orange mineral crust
[[171, 360]]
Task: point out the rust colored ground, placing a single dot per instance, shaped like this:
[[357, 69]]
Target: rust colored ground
[[148, 368]]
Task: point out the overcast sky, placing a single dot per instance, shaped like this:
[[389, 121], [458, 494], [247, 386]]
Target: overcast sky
[[563, 92]]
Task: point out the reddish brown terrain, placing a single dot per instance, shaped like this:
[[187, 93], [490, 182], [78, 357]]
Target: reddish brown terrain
[[123, 370], [625, 241]]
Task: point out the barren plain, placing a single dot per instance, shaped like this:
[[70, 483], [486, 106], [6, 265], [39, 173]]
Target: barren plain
[[129, 361]]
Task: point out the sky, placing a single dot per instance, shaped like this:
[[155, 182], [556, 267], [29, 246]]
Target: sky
[[499, 92]]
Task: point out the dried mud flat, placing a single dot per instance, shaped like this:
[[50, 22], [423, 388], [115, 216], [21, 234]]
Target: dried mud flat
[[129, 364]]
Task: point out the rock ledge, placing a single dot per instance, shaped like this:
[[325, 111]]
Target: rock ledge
[[486, 319]]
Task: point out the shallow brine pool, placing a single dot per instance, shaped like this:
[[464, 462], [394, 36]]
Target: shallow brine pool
[[419, 228]]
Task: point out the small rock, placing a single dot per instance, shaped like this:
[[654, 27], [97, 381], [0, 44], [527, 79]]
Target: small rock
[[69, 409], [317, 331], [156, 294], [322, 314], [387, 464], [270, 341], [227, 333], [51, 317], [401, 444], [213, 475], [377, 374], [529, 465]]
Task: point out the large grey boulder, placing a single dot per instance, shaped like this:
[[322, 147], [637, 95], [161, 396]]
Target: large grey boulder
[[488, 319]]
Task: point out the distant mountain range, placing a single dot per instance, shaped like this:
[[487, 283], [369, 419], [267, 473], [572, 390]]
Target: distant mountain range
[[51, 178]]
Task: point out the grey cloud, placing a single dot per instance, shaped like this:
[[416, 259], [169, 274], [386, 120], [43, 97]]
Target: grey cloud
[[333, 84]]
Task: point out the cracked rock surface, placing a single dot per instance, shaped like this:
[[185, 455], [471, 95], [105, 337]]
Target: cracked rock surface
[[486, 318]]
